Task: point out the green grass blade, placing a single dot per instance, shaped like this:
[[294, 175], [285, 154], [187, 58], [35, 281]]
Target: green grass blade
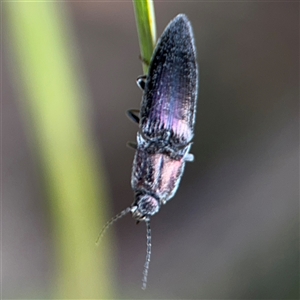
[[145, 20]]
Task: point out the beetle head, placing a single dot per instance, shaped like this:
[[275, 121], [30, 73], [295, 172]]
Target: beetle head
[[144, 207]]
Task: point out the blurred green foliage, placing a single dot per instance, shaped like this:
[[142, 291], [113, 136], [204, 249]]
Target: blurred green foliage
[[53, 102]]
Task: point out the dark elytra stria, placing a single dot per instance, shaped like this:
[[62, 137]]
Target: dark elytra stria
[[166, 121]]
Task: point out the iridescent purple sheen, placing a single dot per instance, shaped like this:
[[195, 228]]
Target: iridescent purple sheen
[[167, 117], [169, 100], [166, 122]]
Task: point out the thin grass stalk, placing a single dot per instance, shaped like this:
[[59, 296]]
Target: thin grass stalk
[[146, 27]]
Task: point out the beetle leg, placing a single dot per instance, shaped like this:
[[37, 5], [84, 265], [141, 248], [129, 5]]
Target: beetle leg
[[133, 115], [189, 157], [131, 145], [141, 81]]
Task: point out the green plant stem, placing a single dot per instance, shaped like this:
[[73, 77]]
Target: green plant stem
[[145, 20]]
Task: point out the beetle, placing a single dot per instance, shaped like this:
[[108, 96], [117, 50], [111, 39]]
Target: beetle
[[166, 125]]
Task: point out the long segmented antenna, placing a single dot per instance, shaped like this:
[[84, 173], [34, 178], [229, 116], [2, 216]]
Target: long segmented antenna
[[113, 220], [148, 255]]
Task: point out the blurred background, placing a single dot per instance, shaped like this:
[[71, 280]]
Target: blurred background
[[231, 231]]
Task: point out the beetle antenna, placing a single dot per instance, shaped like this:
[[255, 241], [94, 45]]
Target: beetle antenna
[[113, 220], [148, 255]]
